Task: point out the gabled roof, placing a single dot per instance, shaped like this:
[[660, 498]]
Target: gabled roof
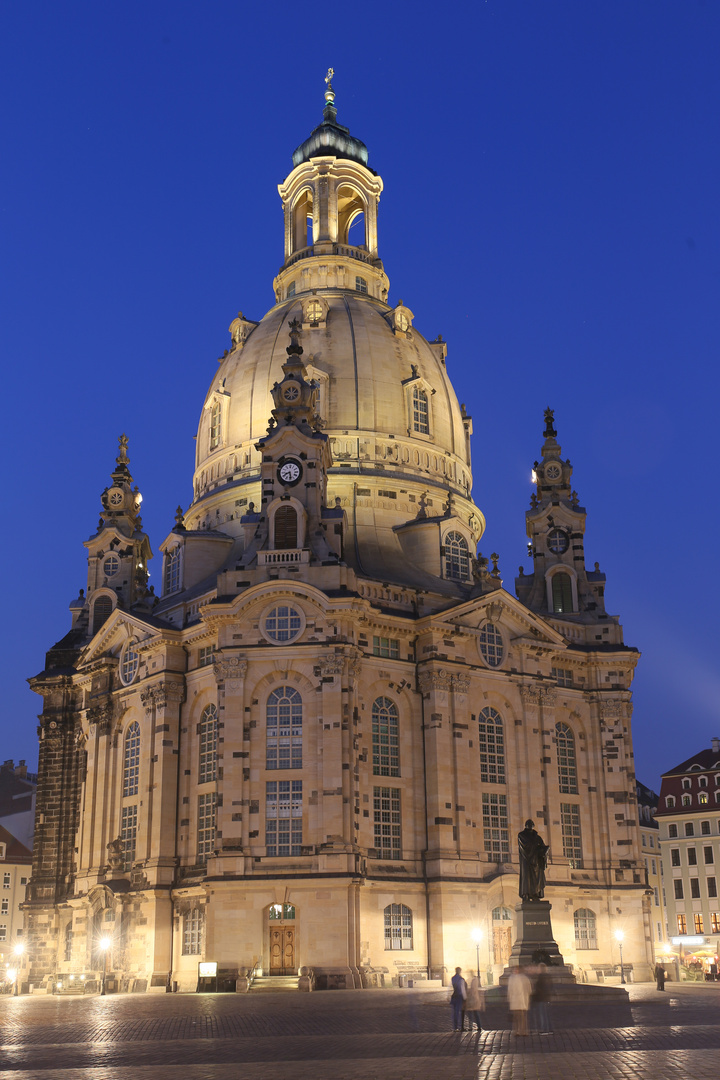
[[703, 761], [14, 850]]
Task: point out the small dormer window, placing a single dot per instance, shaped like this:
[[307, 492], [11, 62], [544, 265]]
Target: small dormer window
[[361, 285], [313, 312], [702, 781], [215, 425], [686, 800], [457, 558], [687, 784], [669, 800], [702, 798], [421, 417]]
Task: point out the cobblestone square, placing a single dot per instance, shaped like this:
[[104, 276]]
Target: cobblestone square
[[392, 1034]]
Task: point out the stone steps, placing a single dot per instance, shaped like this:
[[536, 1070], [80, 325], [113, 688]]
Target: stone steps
[[273, 984]]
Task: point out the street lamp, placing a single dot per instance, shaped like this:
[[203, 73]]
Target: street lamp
[[19, 949], [477, 938], [105, 944], [619, 938]]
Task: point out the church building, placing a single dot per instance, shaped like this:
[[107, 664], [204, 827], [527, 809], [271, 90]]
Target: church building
[[317, 746]]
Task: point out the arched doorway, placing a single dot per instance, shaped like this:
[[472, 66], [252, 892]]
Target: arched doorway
[[281, 925]]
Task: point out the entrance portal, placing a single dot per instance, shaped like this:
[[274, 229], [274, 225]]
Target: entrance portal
[[282, 939]]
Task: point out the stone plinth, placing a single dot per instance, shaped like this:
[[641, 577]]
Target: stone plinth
[[534, 935]]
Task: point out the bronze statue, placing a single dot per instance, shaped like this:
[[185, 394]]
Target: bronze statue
[[533, 859]]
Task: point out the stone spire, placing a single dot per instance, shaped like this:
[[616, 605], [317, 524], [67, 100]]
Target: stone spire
[[295, 397]]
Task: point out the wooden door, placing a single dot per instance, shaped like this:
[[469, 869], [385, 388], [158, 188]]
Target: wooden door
[[282, 950], [502, 943]]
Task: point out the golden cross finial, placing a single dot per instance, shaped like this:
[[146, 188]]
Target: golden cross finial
[[330, 93], [328, 77]]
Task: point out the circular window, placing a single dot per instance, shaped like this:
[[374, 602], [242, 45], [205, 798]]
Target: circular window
[[111, 566], [557, 541], [491, 645], [129, 663], [282, 623]]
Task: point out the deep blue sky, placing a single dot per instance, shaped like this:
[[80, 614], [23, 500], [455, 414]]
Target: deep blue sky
[[550, 207]]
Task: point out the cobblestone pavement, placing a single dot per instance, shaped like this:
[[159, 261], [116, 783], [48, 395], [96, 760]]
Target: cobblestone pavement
[[392, 1034]]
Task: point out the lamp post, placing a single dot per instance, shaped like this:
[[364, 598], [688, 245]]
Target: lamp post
[[105, 944], [477, 938], [19, 949], [619, 938]]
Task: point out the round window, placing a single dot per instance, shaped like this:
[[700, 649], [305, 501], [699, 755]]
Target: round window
[[491, 645], [111, 566], [129, 663], [557, 541], [282, 623]]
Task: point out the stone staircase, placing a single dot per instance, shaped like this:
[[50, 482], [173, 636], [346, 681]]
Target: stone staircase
[[274, 984]]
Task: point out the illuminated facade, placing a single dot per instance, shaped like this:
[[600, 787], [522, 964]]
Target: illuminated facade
[[316, 747]]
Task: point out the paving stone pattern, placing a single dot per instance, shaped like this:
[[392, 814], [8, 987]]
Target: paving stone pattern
[[350, 1035]]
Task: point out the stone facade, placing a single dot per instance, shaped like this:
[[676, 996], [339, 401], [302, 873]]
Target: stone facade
[[317, 746]]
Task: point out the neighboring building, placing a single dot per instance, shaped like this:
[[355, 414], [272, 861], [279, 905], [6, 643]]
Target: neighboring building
[[318, 746], [15, 867], [17, 800], [689, 817], [650, 843]]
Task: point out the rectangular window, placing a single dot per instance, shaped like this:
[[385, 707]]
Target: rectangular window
[[682, 924], [283, 817], [571, 837], [6, 881], [562, 676], [398, 927], [678, 886], [659, 932], [652, 841], [383, 646], [705, 828], [193, 924], [708, 854], [698, 920], [672, 831], [360, 285], [387, 828], [712, 887], [657, 897], [695, 888], [23, 881], [654, 867], [715, 922], [5, 907], [206, 826], [495, 827], [689, 828], [128, 835], [692, 856], [206, 655], [3, 932]]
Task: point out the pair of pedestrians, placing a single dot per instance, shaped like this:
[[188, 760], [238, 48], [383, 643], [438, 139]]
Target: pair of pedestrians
[[466, 1002], [522, 993]]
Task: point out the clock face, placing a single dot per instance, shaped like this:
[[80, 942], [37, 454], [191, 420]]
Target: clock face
[[552, 471], [289, 472], [115, 497]]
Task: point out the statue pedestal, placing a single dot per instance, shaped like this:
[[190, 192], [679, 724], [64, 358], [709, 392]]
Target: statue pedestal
[[534, 935]]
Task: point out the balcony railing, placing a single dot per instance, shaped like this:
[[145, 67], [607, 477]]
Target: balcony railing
[[283, 557]]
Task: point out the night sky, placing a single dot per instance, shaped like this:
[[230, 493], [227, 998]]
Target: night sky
[[550, 207]]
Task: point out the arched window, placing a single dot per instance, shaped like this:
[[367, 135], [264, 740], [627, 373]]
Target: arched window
[[686, 800], [491, 645], [302, 224], [286, 527], [207, 729], [457, 560], [567, 764], [283, 715], [492, 747], [585, 929], [215, 425], [101, 612], [129, 662], [398, 927], [172, 570], [421, 415], [131, 760], [385, 738], [562, 593], [669, 800], [502, 914]]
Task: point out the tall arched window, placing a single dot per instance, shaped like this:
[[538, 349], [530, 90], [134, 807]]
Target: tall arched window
[[286, 527], [492, 747], [567, 763], [562, 593], [172, 570], [385, 738], [101, 612], [283, 715], [207, 729], [398, 927], [215, 425], [457, 560], [421, 414], [585, 929], [131, 760]]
